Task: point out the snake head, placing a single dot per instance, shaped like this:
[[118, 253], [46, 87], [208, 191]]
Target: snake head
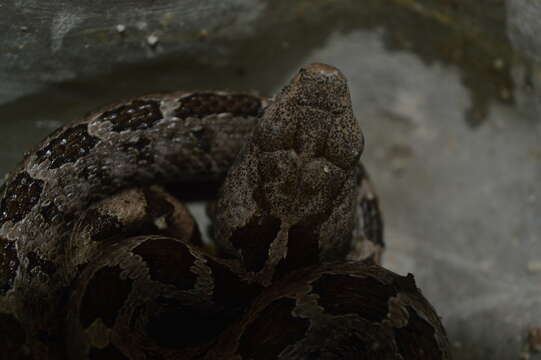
[[320, 86], [308, 143], [292, 186], [313, 116]]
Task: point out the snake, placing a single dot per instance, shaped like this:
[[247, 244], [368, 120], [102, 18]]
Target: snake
[[101, 259]]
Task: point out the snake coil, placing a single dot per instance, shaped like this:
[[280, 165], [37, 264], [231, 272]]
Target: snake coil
[[100, 260]]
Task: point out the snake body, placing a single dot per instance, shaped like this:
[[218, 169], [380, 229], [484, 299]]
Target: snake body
[[97, 261]]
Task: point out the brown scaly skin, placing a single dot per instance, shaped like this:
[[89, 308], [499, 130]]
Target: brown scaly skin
[[170, 298], [156, 138], [76, 284], [131, 212], [348, 310]]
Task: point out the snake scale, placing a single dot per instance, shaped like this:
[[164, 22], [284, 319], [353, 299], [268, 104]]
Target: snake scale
[[100, 260]]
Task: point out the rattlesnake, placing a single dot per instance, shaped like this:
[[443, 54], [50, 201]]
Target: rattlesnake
[[98, 261]]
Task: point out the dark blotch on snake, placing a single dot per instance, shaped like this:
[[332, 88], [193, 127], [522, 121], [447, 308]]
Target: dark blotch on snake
[[342, 295], [179, 325], [204, 104], [168, 261], [274, 329], [99, 302], [406, 284], [302, 248], [226, 283], [67, 147], [253, 241], [22, 193], [157, 206], [417, 340], [137, 115]]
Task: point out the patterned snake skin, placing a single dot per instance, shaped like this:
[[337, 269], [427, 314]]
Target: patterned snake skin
[[98, 260]]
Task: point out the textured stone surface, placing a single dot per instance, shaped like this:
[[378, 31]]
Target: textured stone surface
[[449, 110]]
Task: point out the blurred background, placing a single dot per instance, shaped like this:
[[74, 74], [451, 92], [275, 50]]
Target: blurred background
[[448, 94]]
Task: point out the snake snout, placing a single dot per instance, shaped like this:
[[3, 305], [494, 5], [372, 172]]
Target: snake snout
[[322, 87], [323, 70]]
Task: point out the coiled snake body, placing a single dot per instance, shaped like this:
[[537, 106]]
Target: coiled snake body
[[99, 262]]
